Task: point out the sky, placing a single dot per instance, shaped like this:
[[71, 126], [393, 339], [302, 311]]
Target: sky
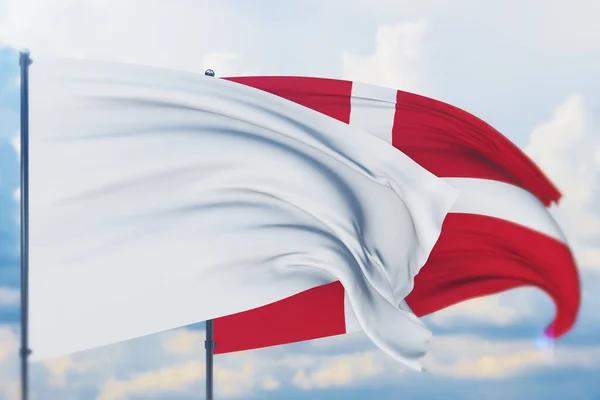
[[530, 68]]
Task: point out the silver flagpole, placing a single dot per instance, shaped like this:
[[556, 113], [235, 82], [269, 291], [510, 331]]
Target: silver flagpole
[[24, 62], [209, 343]]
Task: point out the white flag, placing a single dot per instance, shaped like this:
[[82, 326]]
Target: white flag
[[159, 199]]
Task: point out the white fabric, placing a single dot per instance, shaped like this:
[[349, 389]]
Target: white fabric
[[372, 109], [160, 199], [504, 201]]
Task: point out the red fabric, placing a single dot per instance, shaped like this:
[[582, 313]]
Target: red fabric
[[475, 255], [254, 329], [327, 96], [450, 143], [478, 255]]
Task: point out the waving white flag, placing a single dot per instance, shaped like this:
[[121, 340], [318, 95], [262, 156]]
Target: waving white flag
[[160, 199]]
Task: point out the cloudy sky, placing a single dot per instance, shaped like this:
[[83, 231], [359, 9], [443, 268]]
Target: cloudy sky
[[531, 68]]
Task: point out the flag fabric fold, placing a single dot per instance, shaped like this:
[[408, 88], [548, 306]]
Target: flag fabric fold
[[159, 199], [498, 235]]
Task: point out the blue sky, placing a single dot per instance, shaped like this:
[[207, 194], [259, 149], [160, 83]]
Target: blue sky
[[532, 70]]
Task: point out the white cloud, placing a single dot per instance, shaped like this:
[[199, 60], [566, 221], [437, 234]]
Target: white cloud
[[200, 34], [9, 297], [175, 37], [489, 309], [457, 356], [397, 62], [169, 379], [471, 357], [146, 367], [338, 371], [590, 257], [59, 368], [9, 384], [235, 382], [548, 26], [177, 353], [8, 343], [190, 35], [229, 382], [16, 143], [566, 148], [182, 341], [270, 383]]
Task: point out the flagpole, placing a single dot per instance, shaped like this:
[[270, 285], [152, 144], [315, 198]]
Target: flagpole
[[209, 344], [24, 63]]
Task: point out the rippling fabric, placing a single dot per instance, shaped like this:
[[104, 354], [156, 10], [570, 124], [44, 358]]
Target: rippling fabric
[[490, 241], [160, 199]]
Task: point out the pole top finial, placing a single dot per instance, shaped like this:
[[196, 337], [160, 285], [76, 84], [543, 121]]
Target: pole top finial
[[209, 72], [24, 55]]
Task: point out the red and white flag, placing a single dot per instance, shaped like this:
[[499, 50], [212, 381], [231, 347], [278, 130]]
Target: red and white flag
[[499, 234]]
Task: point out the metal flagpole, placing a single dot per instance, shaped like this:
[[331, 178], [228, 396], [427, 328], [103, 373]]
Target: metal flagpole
[[209, 344], [24, 62]]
